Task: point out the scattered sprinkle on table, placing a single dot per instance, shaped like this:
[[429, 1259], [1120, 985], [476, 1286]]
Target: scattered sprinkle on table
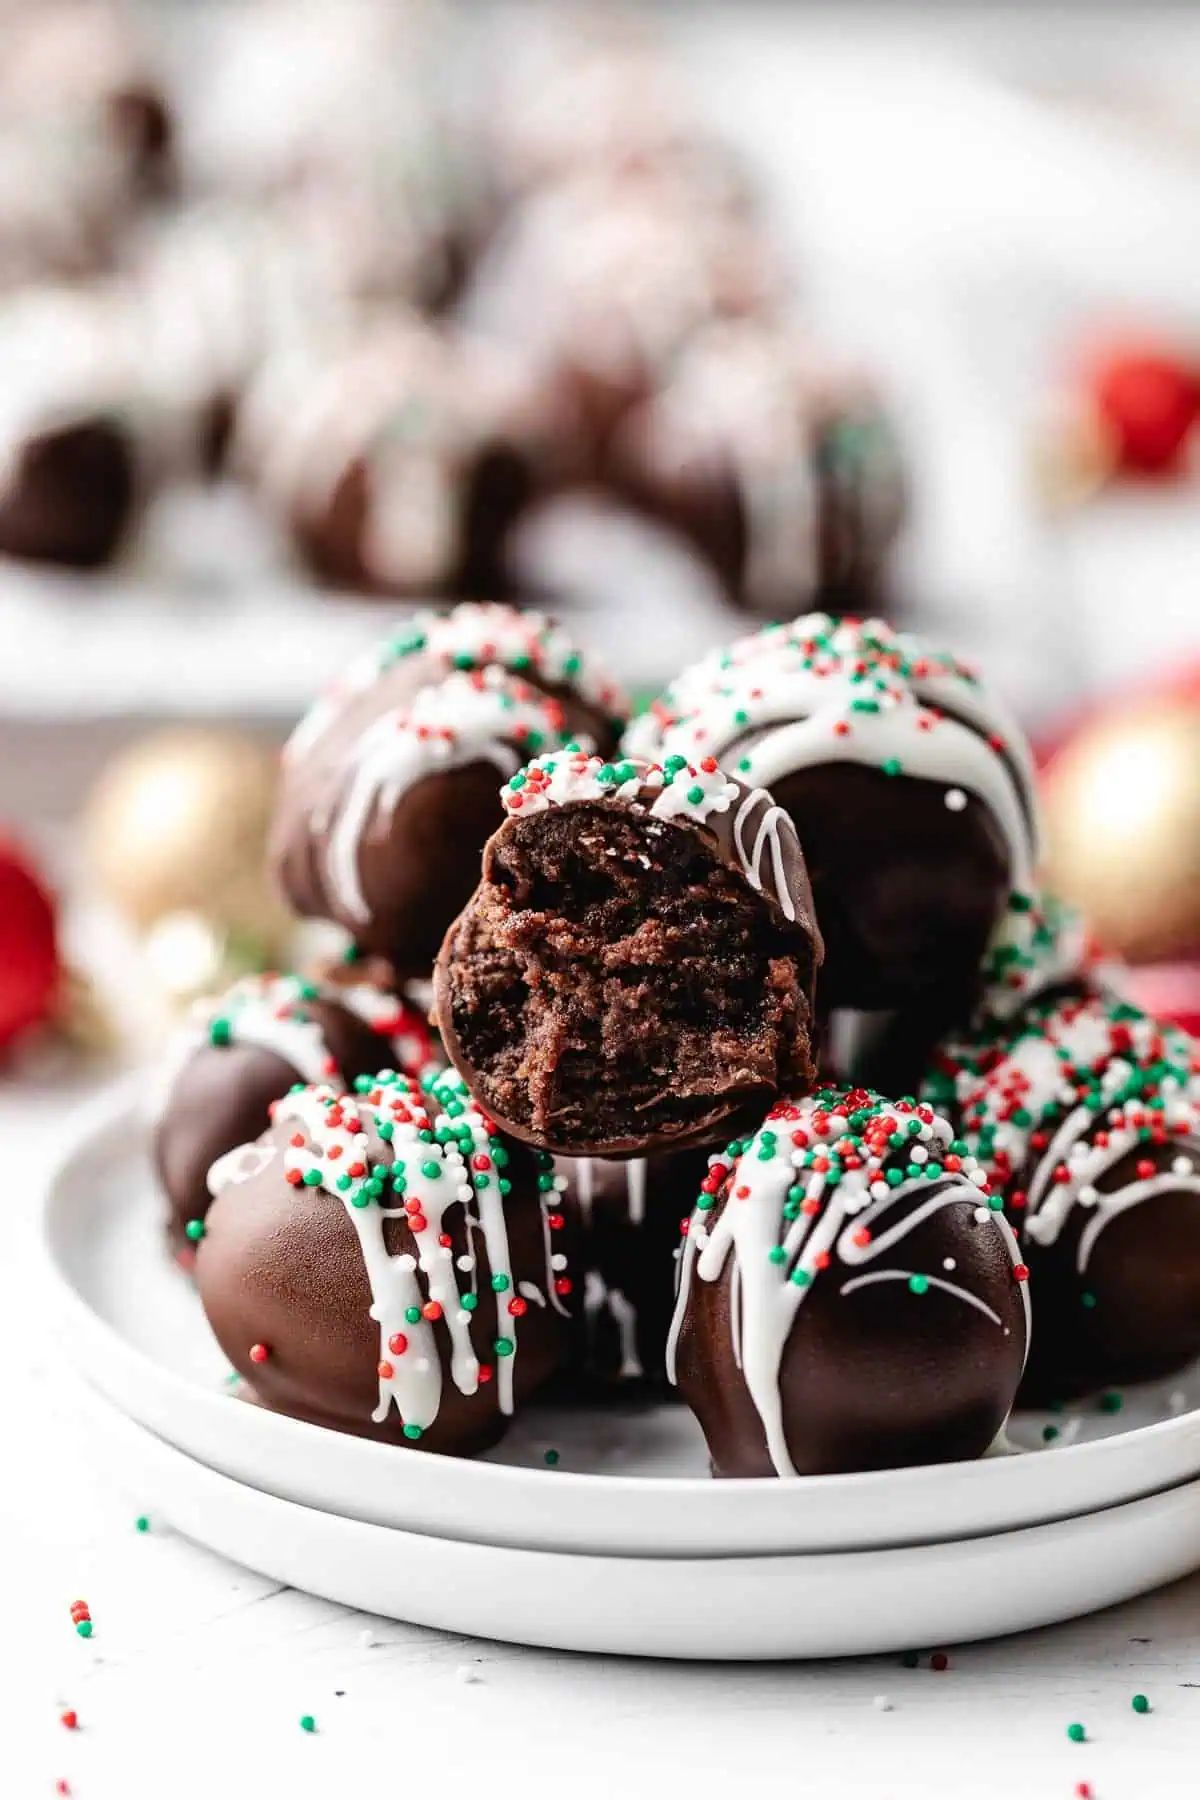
[[70, 1719], [366, 1639], [466, 1674], [910, 1659], [882, 1703], [939, 1661], [307, 1722], [551, 1459], [1077, 1733], [1111, 1402], [141, 1523], [1083, 1790], [1140, 1704]]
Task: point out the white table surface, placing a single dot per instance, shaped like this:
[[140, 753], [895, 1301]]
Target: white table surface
[[198, 1671]]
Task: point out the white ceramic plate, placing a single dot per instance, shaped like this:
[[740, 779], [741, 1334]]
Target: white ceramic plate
[[629, 1481], [756, 1608]]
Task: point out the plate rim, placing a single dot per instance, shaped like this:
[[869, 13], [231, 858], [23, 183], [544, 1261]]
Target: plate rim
[[120, 1108]]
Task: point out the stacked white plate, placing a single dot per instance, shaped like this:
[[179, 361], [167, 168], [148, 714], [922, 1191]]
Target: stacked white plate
[[621, 1543]]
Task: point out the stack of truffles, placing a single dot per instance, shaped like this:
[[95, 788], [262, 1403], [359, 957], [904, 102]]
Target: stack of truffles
[[677, 967], [409, 278]]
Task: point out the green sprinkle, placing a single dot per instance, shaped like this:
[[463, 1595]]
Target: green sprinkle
[[1087, 1299], [141, 1523], [777, 1255], [695, 795], [891, 765], [1112, 1402], [910, 1659], [551, 1459], [500, 1283], [312, 1177], [431, 1170], [412, 1314], [412, 1432], [1076, 1733], [84, 1628], [220, 1034], [1049, 1433], [307, 1722], [918, 1284], [503, 1346], [1140, 1704], [194, 1230], [801, 1277]]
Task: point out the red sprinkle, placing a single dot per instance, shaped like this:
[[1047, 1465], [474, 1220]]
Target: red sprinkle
[[432, 1309], [1020, 1272], [939, 1661], [397, 1343], [70, 1719], [259, 1353], [386, 1371]]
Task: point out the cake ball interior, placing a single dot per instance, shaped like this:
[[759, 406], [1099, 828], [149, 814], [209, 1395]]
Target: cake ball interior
[[614, 981]]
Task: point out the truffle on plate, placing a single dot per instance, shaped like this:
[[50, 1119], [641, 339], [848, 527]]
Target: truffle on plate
[[634, 972]]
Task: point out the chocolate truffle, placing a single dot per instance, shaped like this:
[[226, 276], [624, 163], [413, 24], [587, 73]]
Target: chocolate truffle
[[401, 465], [634, 971], [383, 1263], [849, 1298], [381, 828], [246, 1049], [69, 445], [1087, 1116], [630, 1218], [782, 471], [602, 279], [909, 786]]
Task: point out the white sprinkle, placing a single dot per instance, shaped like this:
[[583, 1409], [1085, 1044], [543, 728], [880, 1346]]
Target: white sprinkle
[[560, 1184], [1088, 1195], [917, 1155], [465, 1263], [366, 1639], [1182, 1165], [949, 1263], [982, 1215], [558, 1261], [882, 1703], [467, 1675], [462, 1317], [1178, 1401], [407, 1263], [955, 799]]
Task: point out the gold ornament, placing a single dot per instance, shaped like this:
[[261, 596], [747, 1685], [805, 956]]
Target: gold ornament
[[176, 828], [1122, 807]]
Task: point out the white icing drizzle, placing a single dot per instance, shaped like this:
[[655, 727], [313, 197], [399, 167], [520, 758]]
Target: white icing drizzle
[[819, 692], [635, 1189], [598, 1298], [480, 633], [681, 790], [239, 1164], [1094, 1050], [335, 1149], [468, 718], [777, 1257]]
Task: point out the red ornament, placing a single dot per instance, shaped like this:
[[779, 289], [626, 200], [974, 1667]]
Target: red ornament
[[29, 965], [1147, 400]]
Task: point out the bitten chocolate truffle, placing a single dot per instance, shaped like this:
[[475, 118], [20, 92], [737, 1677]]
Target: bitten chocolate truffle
[[389, 784], [385, 1264], [910, 788], [1086, 1114], [243, 1051], [850, 1298], [635, 969], [630, 1221]]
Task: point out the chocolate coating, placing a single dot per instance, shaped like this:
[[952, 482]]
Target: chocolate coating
[[69, 495], [909, 788], [635, 969], [224, 1090], [630, 1218], [420, 821], [805, 1347], [1087, 1115], [782, 472], [282, 1267]]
